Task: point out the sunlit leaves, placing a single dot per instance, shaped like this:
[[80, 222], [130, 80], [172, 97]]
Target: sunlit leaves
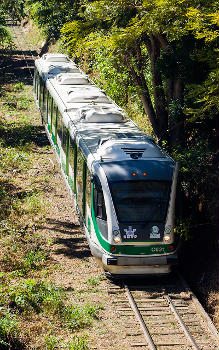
[[203, 25]]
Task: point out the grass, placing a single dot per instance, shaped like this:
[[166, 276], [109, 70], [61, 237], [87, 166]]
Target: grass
[[79, 342], [31, 305], [9, 330], [32, 296], [77, 317], [94, 281], [22, 250]]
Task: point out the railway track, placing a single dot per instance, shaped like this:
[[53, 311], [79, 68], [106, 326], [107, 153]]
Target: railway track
[[163, 315], [13, 66], [159, 314]]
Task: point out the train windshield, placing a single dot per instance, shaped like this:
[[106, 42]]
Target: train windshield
[[140, 201]]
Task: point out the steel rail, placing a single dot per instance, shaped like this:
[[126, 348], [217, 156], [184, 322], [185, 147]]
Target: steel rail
[[199, 306], [134, 307], [179, 319]]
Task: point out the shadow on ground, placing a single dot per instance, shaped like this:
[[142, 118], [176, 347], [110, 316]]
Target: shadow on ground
[[22, 135], [15, 68], [73, 247]]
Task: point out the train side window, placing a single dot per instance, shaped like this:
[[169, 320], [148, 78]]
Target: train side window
[[88, 188], [35, 80], [50, 107], [59, 125], [64, 139], [73, 161], [99, 203], [53, 115], [54, 107], [44, 104], [47, 105], [41, 94], [65, 147], [81, 177], [37, 85], [88, 200], [51, 112], [100, 210]]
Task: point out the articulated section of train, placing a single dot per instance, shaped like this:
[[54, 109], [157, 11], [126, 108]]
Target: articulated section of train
[[122, 182]]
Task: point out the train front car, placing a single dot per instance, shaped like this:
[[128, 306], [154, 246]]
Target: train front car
[[134, 199]]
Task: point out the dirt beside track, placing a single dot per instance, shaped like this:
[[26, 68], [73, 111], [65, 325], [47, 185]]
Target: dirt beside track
[[70, 264]]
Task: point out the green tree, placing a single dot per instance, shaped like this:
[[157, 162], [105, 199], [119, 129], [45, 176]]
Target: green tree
[[14, 8], [51, 15], [155, 33], [5, 38]]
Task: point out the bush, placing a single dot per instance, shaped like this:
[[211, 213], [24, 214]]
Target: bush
[[9, 333]]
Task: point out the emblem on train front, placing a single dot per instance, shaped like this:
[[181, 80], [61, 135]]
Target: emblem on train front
[[130, 233], [155, 232]]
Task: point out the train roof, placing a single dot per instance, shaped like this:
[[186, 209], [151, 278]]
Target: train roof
[[99, 125]]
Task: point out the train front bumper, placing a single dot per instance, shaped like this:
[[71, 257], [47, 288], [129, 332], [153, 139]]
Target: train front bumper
[[139, 265]]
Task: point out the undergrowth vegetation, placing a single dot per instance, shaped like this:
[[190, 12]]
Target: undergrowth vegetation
[[26, 292]]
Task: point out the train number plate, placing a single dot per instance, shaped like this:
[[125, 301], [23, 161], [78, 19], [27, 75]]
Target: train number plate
[[158, 250]]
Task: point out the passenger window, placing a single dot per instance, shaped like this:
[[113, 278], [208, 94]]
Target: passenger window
[[88, 188], [99, 203], [64, 139], [72, 151], [73, 162], [41, 100], [100, 211], [44, 103], [35, 80], [37, 85], [50, 108], [47, 105], [59, 125], [81, 178], [53, 111]]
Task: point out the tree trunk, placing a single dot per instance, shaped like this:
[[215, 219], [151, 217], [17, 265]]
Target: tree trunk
[[158, 90], [144, 96], [176, 117]]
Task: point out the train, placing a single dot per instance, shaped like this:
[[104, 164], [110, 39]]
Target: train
[[122, 182]]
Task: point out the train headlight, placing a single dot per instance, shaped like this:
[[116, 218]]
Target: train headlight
[[116, 236], [166, 238], [117, 239]]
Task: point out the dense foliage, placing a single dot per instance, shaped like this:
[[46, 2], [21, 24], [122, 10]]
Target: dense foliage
[[158, 58], [5, 38]]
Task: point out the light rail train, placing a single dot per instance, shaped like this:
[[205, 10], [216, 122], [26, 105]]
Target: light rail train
[[122, 182]]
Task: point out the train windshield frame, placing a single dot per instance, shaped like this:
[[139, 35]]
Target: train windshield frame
[[141, 201]]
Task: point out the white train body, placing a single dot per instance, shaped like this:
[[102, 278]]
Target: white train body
[[123, 183]]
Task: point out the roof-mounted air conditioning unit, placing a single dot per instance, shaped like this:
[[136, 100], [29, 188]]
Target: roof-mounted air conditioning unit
[[54, 57], [97, 114], [86, 94], [72, 79]]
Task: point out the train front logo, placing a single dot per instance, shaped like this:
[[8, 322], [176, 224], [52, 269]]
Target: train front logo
[[130, 233], [155, 232]]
